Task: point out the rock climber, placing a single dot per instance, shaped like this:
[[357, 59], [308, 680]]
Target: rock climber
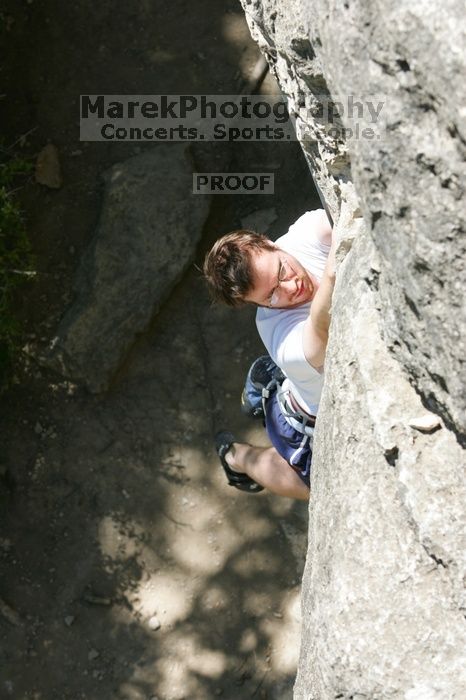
[[291, 282]]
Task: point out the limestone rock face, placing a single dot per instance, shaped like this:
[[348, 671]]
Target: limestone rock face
[[147, 235], [383, 590]]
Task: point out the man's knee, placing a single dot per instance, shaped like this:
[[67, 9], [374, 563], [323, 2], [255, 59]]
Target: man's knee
[[288, 471], [276, 458]]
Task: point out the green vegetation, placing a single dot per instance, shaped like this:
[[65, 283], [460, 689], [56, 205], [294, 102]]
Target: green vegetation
[[15, 257]]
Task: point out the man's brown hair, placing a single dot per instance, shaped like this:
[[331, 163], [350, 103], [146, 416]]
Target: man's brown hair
[[227, 267]]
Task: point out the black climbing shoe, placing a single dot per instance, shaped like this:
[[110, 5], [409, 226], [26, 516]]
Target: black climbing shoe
[[223, 442], [262, 374]]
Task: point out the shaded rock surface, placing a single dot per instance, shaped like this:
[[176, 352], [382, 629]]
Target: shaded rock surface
[[147, 235], [383, 592]]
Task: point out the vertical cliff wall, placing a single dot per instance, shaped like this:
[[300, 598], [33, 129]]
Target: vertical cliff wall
[[383, 590]]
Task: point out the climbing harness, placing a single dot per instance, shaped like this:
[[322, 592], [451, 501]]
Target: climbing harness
[[298, 419], [265, 377]]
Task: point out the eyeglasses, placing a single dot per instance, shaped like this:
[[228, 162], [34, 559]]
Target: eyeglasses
[[285, 272]]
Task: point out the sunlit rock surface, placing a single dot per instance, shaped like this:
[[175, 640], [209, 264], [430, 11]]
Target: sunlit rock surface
[[383, 590]]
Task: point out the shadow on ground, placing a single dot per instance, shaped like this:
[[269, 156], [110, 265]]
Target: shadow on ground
[[114, 508]]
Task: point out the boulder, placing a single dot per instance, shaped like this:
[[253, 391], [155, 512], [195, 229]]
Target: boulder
[[149, 228], [48, 169]]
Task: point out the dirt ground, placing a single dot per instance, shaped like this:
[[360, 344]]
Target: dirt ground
[[129, 569]]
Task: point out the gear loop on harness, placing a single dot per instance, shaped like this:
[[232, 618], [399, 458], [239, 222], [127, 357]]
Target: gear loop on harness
[[298, 420]]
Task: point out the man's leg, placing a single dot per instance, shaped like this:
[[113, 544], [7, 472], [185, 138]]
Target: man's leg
[[265, 466]]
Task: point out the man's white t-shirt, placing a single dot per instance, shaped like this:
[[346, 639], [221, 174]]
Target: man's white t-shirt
[[281, 330]]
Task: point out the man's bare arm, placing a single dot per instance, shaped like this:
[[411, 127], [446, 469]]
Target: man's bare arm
[[315, 335]]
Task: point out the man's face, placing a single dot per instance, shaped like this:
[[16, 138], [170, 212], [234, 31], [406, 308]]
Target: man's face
[[279, 280]]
